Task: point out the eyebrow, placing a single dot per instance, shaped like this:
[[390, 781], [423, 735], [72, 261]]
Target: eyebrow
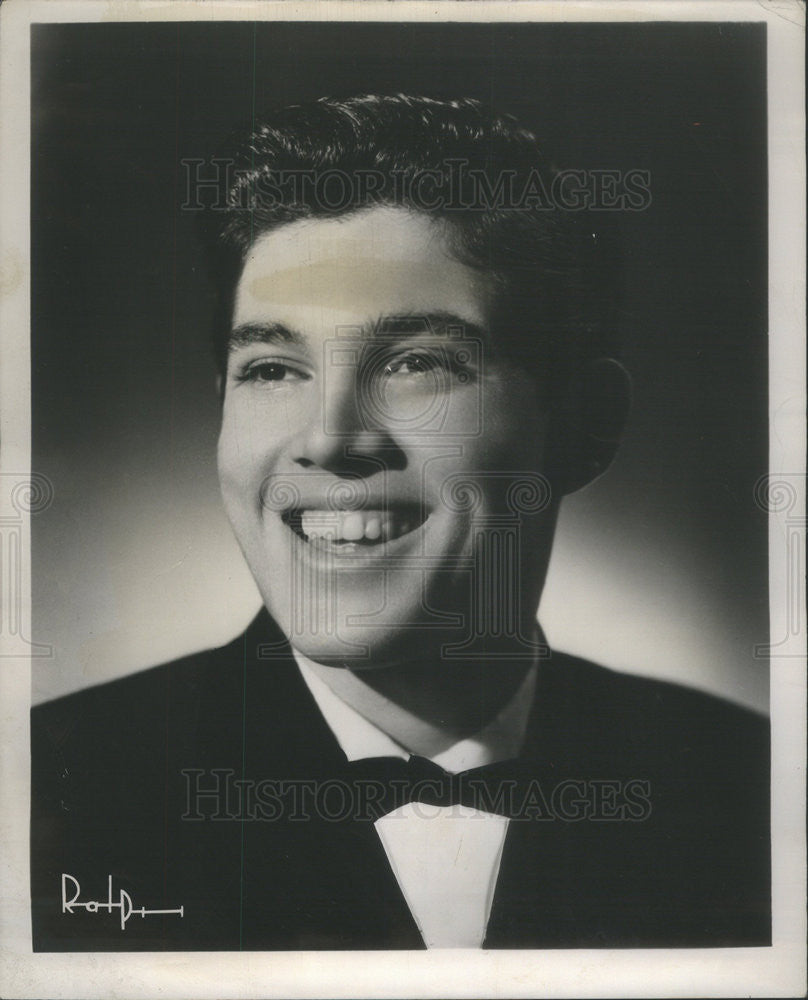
[[263, 333], [406, 324], [426, 324]]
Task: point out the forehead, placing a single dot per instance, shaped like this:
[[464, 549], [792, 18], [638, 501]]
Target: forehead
[[375, 263]]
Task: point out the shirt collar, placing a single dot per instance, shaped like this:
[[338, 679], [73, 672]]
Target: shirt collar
[[501, 739]]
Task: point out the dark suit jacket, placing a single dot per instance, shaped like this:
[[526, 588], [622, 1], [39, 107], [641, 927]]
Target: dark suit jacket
[[112, 767]]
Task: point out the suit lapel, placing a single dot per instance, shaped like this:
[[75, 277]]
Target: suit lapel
[[322, 878]]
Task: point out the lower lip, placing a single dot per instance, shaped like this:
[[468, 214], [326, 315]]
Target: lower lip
[[357, 554]]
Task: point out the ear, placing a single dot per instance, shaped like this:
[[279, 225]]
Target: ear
[[586, 427]]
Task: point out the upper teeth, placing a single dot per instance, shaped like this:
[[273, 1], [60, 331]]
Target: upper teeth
[[354, 525]]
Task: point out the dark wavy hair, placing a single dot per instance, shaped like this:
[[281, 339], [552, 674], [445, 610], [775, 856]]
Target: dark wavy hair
[[556, 272]]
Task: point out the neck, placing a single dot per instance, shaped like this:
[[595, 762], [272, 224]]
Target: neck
[[428, 704]]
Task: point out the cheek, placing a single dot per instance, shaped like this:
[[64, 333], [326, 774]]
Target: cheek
[[505, 453], [503, 427], [246, 450], [516, 427], [230, 453]]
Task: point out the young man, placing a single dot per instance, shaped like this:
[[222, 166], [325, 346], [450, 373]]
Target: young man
[[415, 345]]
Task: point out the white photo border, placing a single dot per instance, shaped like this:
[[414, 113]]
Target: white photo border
[[775, 971]]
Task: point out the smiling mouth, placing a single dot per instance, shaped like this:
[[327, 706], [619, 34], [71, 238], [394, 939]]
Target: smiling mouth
[[351, 530]]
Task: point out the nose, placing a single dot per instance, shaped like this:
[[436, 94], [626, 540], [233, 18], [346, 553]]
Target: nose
[[340, 435]]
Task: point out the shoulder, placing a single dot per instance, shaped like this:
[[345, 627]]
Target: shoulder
[[155, 709], [645, 700], [666, 728], [120, 704]]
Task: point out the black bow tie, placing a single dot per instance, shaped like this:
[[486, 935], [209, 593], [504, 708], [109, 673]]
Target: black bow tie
[[382, 784]]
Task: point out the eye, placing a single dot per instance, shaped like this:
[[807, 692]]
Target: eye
[[414, 364], [445, 365], [271, 373]]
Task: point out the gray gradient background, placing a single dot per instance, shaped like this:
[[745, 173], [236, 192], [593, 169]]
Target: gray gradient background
[[660, 567]]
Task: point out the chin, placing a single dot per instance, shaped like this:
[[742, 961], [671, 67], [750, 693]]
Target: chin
[[332, 636], [356, 648]]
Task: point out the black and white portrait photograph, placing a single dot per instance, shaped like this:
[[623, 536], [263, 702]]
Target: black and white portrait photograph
[[403, 499]]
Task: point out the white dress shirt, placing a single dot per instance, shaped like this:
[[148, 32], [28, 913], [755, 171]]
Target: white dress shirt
[[445, 858]]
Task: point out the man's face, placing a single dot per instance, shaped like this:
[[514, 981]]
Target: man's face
[[372, 445]]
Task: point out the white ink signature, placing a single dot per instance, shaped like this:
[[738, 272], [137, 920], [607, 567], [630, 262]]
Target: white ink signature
[[124, 903]]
